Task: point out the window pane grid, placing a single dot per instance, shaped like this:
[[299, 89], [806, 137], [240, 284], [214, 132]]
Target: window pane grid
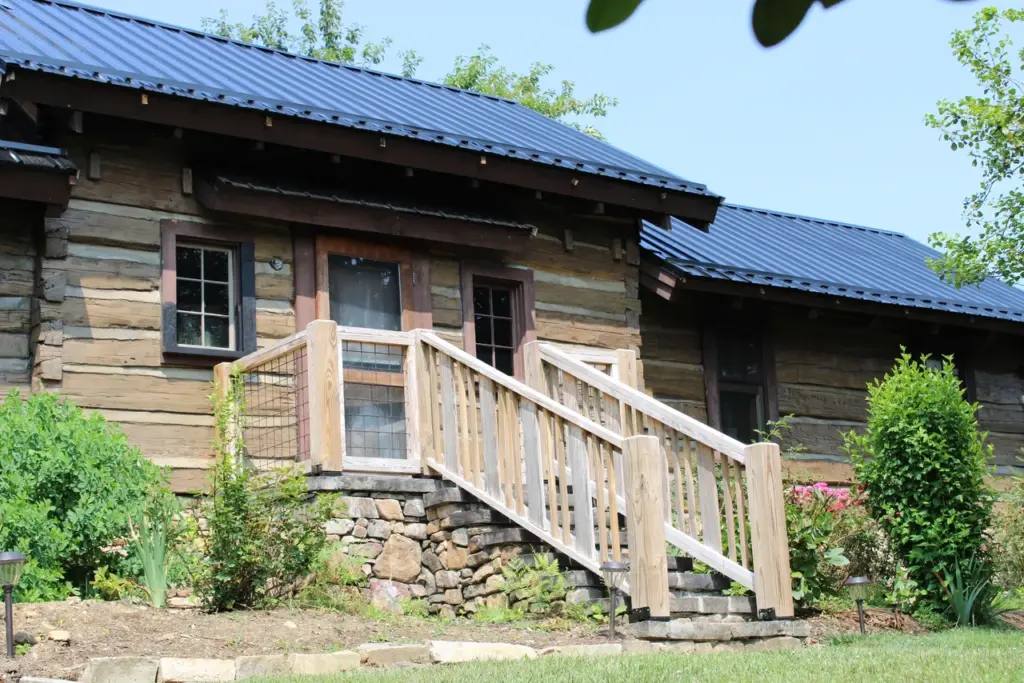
[[205, 297], [495, 340]]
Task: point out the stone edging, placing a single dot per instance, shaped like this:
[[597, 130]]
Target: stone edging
[[374, 655]]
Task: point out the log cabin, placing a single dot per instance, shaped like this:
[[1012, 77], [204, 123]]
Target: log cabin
[[425, 285]]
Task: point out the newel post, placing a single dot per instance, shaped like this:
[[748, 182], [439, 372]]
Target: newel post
[[533, 367], [222, 389], [772, 582], [323, 361], [422, 404], [645, 502]]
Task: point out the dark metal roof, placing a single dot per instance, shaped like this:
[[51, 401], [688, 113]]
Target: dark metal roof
[[774, 249], [341, 196], [35, 157], [88, 43]]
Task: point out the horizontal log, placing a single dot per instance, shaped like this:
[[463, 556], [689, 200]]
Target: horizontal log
[[996, 417], [822, 402], [679, 344], [275, 286], [585, 332], [114, 391], [1008, 448], [275, 324], [141, 352], [824, 437], [445, 273], [178, 441], [111, 313], [610, 286], [142, 176], [100, 273], [16, 320], [93, 227], [158, 418], [84, 332], [680, 381], [13, 345], [107, 253], [1005, 388]]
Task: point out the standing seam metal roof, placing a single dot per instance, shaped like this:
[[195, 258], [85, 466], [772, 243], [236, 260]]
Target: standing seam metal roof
[[774, 249], [93, 44]]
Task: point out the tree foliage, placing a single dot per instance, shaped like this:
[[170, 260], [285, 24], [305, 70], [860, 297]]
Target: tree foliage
[[325, 35], [990, 128]]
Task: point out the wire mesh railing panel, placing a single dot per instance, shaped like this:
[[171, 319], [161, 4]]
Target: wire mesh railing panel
[[375, 419], [275, 423]]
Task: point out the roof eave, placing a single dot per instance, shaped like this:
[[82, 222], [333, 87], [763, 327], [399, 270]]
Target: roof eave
[[66, 91]]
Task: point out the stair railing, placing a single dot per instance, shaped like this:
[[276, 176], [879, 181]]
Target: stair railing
[[543, 465], [722, 500]]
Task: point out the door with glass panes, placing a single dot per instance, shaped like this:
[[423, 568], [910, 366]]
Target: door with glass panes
[[369, 286]]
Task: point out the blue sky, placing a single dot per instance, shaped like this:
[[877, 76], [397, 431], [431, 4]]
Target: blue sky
[[829, 124]]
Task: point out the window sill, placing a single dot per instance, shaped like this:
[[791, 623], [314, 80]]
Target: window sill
[[184, 355]]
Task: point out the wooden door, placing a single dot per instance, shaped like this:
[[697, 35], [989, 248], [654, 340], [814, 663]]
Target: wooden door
[[373, 287]]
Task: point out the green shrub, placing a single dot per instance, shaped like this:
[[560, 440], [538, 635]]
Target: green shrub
[[69, 484], [1010, 539], [263, 534], [922, 463]]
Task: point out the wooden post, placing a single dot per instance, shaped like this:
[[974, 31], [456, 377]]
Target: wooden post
[[645, 488], [424, 400], [326, 437], [626, 372], [221, 386], [772, 583], [533, 367]]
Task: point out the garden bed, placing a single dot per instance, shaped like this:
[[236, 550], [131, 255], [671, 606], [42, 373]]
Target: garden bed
[[118, 629]]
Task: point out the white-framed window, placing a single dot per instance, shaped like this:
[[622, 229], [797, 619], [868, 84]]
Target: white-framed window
[[205, 284]]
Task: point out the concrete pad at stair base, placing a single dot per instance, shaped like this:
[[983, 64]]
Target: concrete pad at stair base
[[388, 654], [453, 652], [261, 665], [121, 670], [182, 670], [682, 630], [597, 650], [328, 663]]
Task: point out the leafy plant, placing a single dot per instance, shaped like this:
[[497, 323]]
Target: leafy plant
[[902, 591], [149, 538], [972, 598], [487, 614], [110, 586], [538, 585], [922, 463], [263, 535], [69, 484]]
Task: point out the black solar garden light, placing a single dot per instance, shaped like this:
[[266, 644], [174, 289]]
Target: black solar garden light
[[10, 572], [857, 587], [614, 574]]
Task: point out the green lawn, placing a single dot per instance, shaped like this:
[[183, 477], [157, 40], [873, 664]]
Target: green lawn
[[963, 655]]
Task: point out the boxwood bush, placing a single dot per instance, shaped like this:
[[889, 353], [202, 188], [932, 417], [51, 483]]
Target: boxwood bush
[[69, 484], [923, 462]]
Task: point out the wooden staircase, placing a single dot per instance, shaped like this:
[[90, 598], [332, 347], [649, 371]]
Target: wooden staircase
[[600, 471]]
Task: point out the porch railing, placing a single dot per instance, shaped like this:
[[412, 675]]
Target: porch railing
[[563, 455]]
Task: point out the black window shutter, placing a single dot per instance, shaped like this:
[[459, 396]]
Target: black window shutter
[[247, 305]]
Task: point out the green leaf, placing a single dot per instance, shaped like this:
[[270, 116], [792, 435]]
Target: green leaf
[[605, 14], [775, 20]]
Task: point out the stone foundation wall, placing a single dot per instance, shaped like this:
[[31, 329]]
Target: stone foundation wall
[[419, 538]]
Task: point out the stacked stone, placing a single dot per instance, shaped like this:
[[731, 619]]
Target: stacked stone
[[441, 546]]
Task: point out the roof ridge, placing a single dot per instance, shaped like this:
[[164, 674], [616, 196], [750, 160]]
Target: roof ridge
[[832, 286], [812, 219], [285, 53]]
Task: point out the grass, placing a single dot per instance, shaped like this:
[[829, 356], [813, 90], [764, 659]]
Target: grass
[[957, 655]]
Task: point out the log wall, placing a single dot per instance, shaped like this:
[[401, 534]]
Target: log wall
[[17, 283], [823, 365], [102, 315]]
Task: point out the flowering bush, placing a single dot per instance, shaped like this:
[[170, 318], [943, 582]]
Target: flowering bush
[[812, 519]]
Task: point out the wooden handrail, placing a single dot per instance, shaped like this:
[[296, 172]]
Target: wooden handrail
[[695, 429], [282, 348], [518, 387]]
